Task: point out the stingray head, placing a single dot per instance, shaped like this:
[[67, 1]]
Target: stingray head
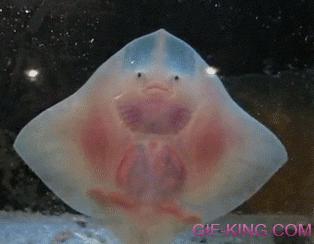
[[156, 84]]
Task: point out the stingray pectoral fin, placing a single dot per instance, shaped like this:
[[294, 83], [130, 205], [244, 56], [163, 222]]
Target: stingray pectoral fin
[[255, 157], [45, 144], [232, 154]]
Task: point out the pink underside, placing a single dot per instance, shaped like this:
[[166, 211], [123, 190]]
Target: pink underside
[[101, 144], [209, 142], [153, 115], [94, 140], [151, 174], [206, 145]]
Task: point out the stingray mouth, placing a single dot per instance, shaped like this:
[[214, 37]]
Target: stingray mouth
[[157, 88]]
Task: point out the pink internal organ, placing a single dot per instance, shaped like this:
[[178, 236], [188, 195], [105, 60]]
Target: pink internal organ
[[151, 176], [155, 117], [94, 140], [131, 115]]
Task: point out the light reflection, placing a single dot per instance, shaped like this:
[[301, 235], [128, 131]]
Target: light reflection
[[211, 70], [32, 74]]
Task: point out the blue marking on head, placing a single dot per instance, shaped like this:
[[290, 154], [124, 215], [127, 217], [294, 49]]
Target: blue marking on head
[[179, 56], [139, 54]]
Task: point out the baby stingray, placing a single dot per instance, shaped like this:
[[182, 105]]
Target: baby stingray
[[151, 144]]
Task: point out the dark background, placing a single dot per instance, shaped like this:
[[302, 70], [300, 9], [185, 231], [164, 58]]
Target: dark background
[[264, 51]]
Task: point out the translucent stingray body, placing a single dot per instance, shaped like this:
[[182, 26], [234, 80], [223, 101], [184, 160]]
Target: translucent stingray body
[[151, 143]]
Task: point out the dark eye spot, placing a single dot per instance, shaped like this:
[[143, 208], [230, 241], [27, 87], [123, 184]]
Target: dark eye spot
[[176, 77], [139, 74]]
